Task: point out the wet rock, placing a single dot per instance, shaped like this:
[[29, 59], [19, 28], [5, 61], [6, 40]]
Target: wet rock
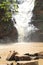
[[33, 56], [5, 28], [11, 63], [20, 1], [13, 35], [19, 58], [8, 33], [0, 57], [11, 56], [27, 63], [38, 14], [37, 20]]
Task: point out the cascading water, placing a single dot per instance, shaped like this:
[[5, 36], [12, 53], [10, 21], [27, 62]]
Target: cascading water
[[23, 19]]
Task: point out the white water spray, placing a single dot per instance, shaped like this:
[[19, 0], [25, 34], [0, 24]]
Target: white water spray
[[23, 19]]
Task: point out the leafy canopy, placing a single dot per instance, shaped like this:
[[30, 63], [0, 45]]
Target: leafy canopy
[[5, 11]]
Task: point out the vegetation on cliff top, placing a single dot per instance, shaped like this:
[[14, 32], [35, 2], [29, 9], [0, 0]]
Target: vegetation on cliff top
[[6, 24]]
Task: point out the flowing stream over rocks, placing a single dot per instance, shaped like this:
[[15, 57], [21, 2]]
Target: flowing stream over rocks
[[23, 21]]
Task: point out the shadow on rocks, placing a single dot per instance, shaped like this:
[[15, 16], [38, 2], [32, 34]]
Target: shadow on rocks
[[12, 37]]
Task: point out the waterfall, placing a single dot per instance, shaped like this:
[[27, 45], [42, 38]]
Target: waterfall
[[23, 19]]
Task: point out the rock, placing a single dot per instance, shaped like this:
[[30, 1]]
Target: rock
[[13, 35], [38, 14], [20, 1], [33, 56], [8, 33], [18, 58], [11, 63], [0, 57], [11, 56], [5, 28], [22, 58], [27, 63]]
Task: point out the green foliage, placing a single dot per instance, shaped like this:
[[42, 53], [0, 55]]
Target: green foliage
[[6, 24], [5, 9]]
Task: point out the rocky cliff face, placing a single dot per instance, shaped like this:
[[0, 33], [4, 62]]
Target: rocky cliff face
[[37, 18], [8, 33], [38, 14]]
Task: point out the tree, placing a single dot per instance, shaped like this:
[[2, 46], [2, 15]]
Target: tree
[[6, 24]]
